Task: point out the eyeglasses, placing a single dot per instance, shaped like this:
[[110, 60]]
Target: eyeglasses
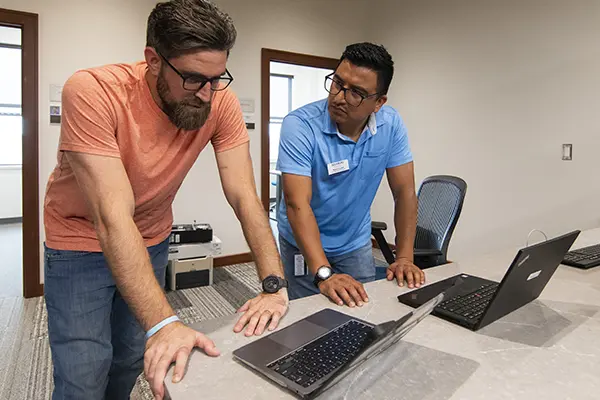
[[195, 83], [352, 96]]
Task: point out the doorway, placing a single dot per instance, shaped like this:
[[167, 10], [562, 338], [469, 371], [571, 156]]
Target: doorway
[[11, 129], [289, 81], [19, 152]]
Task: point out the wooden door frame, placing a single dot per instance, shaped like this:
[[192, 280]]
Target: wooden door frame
[[268, 55], [28, 23]]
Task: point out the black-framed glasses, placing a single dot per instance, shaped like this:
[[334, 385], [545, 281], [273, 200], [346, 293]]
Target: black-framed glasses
[[353, 97], [195, 83]]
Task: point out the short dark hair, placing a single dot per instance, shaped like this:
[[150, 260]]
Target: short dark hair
[[374, 57], [179, 27]]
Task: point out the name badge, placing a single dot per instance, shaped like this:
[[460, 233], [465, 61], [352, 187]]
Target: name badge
[[337, 167], [299, 269]]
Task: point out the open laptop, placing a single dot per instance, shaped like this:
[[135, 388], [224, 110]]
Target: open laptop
[[480, 302], [315, 353]]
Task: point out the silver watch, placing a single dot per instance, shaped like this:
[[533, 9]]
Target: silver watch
[[323, 273]]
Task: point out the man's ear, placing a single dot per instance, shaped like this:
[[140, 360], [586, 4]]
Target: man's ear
[[153, 60], [380, 102]]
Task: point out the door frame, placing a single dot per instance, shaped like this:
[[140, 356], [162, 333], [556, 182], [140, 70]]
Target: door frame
[[28, 23], [286, 57]]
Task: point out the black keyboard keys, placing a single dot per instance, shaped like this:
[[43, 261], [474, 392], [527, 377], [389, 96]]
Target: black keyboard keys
[[471, 305], [319, 358]]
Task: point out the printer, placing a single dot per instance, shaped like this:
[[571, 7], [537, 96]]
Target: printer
[[191, 233], [191, 251]]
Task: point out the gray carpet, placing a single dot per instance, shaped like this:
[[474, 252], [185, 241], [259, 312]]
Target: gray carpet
[[25, 362]]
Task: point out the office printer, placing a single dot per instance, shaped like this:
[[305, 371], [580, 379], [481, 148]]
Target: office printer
[[191, 263], [191, 233]]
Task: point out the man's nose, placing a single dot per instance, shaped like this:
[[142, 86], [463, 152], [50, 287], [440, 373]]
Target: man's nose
[[340, 97], [205, 93]]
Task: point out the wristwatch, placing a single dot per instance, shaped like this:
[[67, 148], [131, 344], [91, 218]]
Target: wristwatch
[[273, 283], [323, 273]]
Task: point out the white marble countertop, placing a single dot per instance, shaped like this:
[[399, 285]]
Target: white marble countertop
[[549, 349]]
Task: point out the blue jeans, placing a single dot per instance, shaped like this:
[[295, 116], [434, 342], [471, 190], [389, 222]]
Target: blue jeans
[[97, 344], [359, 264]]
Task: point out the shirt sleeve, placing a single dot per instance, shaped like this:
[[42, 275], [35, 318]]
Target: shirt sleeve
[[400, 153], [296, 144], [88, 123], [231, 129]]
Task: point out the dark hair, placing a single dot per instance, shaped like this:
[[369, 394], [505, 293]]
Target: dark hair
[[178, 27], [374, 57]]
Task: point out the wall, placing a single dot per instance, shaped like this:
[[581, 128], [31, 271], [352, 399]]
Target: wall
[[489, 91], [308, 26], [10, 195], [76, 34], [307, 85]]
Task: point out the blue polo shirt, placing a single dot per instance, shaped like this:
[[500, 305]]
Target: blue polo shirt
[[341, 202]]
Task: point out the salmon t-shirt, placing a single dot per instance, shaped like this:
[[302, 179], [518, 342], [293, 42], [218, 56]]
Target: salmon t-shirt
[[109, 111]]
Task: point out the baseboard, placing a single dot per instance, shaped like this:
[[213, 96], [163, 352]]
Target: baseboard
[[232, 259], [15, 220]]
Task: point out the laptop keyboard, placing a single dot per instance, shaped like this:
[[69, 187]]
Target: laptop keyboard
[[471, 305], [586, 257], [322, 356]]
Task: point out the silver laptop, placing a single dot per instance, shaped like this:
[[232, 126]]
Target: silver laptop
[[313, 354]]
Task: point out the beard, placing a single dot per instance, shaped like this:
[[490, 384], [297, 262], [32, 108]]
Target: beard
[[189, 114]]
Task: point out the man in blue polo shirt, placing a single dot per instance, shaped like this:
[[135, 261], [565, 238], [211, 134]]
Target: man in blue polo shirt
[[332, 155]]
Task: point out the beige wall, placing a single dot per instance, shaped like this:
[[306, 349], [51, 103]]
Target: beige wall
[[311, 26], [489, 92], [75, 34], [10, 192]]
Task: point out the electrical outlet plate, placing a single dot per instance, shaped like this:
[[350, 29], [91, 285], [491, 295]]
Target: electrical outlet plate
[[567, 152]]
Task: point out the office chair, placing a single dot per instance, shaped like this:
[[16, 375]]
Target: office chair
[[440, 200]]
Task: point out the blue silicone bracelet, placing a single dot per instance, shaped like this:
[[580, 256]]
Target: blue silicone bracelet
[[161, 325]]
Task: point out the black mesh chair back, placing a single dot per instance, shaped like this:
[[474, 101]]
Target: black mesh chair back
[[440, 201]]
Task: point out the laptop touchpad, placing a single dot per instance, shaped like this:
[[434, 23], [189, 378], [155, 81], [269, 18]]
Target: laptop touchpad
[[298, 334]]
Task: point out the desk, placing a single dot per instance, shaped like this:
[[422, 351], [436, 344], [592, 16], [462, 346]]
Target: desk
[[549, 349]]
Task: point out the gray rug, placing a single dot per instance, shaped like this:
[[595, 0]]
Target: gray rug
[[25, 361]]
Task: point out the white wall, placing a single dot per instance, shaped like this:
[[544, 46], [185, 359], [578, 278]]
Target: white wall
[[307, 87], [10, 193], [10, 35], [308, 82], [308, 26], [76, 34], [481, 85], [489, 92]]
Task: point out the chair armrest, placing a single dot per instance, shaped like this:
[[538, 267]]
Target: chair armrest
[[426, 252], [378, 225]]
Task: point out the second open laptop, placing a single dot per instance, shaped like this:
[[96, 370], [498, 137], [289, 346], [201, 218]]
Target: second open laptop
[[480, 302]]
